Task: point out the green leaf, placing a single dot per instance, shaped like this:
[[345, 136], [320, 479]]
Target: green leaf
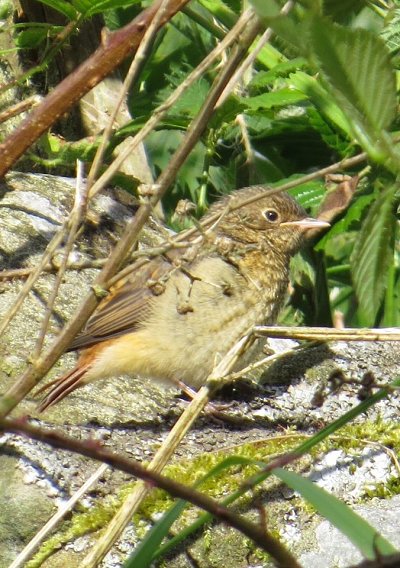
[[283, 97], [372, 256], [330, 135], [266, 8], [309, 194], [366, 538], [353, 215], [319, 96], [265, 79], [62, 6], [357, 66], [31, 38], [103, 5], [391, 32]]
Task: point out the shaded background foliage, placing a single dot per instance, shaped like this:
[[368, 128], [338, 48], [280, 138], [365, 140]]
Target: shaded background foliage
[[321, 90]]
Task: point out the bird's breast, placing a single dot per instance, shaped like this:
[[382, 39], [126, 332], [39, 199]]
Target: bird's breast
[[204, 310]]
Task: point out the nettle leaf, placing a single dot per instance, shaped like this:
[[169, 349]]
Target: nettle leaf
[[281, 98], [356, 64], [391, 32], [332, 137], [266, 79], [309, 195], [348, 223], [372, 256]]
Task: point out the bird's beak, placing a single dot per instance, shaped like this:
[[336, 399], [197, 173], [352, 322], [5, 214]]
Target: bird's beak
[[306, 223]]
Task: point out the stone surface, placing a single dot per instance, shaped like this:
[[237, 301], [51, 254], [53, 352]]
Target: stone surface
[[333, 550]]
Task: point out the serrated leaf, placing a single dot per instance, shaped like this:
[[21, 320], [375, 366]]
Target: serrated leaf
[[331, 136], [265, 79], [365, 537], [372, 256], [391, 32], [356, 64], [283, 97], [353, 215], [309, 194]]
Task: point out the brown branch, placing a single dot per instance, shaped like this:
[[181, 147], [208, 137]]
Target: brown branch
[[116, 47], [255, 532]]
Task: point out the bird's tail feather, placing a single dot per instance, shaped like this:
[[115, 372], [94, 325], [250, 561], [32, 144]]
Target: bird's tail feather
[[62, 387]]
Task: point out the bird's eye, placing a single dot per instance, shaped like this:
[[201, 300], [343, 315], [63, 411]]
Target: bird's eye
[[271, 215]]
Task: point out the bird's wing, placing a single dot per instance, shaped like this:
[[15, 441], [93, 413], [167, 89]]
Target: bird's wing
[[126, 305]]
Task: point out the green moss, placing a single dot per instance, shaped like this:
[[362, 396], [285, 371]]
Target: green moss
[[81, 524], [350, 439], [385, 490], [186, 472]]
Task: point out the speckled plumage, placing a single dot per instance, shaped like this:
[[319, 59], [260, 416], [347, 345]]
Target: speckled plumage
[[176, 316]]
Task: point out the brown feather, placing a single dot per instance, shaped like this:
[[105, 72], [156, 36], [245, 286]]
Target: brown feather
[[61, 387]]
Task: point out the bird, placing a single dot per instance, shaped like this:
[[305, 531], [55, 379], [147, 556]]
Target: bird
[[175, 316]]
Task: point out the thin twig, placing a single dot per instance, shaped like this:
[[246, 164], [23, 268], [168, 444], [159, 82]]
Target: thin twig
[[329, 334], [21, 273], [30, 548], [250, 59], [269, 360], [131, 76], [75, 218], [19, 108]]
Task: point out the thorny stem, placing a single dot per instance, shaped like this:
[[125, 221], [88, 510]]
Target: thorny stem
[[116, 47]]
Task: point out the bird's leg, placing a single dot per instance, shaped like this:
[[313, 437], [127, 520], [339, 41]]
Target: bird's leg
[[211, 408]]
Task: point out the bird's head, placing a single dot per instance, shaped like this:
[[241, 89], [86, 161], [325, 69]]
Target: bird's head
[[276, 220]]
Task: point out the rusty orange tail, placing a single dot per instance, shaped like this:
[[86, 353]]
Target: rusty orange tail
[[62, 387]]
